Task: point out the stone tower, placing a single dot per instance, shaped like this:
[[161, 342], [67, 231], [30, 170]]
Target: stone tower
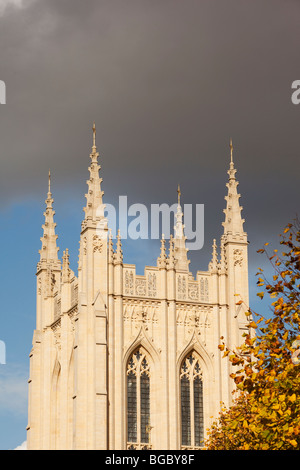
[[127, 361]]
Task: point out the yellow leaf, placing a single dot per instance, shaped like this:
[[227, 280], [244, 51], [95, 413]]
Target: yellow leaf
[[293, 442], [293, 397]]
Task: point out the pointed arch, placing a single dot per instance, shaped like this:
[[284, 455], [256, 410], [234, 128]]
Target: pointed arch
[[142, 339], [191, 401], [138, 378], [195, 385], [144, 342], [206, 359]]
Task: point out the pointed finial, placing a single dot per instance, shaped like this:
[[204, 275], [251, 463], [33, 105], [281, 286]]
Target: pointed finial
[[232, 170], [94, 134], [179, 194], [49, 199], [49, 182], [231, 151]]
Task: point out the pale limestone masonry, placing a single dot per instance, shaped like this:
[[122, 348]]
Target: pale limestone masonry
[[97, 332]]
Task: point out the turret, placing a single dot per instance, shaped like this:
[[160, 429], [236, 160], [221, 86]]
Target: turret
[[94, 209], [233, 225], [48, 253], [49, 266], [91, 334], [234, 256]]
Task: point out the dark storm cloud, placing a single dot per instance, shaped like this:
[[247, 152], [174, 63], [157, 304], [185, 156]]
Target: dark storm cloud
[[168, 83]]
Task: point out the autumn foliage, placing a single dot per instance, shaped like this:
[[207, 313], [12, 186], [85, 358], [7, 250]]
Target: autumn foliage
[[265, 414]]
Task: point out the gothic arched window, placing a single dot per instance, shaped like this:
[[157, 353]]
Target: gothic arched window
[[191, 398], [138, 401]]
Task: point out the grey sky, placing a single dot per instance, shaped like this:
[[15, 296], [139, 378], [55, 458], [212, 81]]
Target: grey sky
[[168, 82]]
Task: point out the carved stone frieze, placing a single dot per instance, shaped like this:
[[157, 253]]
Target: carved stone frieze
[[152, 285], [129, 286], [238, 257], [97, 244], [181, 287], [193, 291], [140, 287]]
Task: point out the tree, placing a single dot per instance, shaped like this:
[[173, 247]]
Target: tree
[[265, 413]]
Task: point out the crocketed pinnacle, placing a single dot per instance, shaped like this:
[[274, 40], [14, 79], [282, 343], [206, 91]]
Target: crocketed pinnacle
[[49, 251], [110, 247], [182, 262], [213, 265], [233, 224], [118, 255], [171, 259], [66, 271], [94, 210], [162, 259]]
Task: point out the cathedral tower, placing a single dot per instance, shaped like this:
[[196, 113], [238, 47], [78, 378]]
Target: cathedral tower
[[127, 361]]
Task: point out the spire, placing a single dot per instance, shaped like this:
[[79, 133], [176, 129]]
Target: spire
[[179, 239], [233, 224], [213, 265], [49, 249], [94, 210]]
